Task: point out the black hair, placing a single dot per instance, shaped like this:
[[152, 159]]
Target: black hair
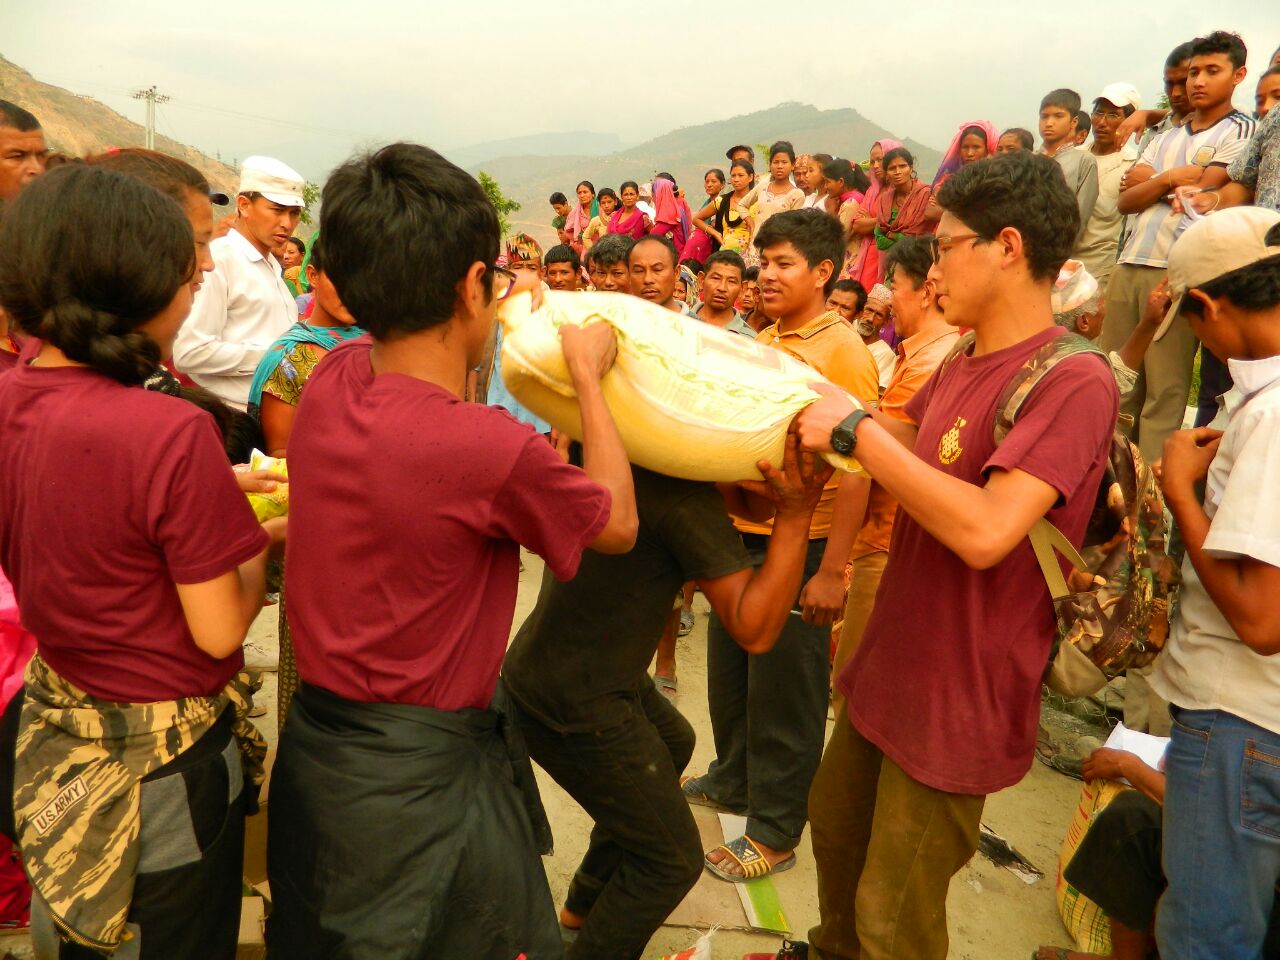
[[589, 185], [858, 290], [1126, 108], [86, 257], [719, 174], [12, 115], [977, 131], [1221, 41], [657, 238], [173, 177], [751, 154], [1270, 72], [627, 183], [1179, 55], [1024, 191], [817, 235], [729, 258], [852, 174], [898, 153], [608, 192], [402, 226], [693, 263], [1252, 288], [751, 274], [822, 159], [1025, 137], [1083, 122], [913, 256], [1069, 100], [299, 244], [562, 253], [782, 146], [612, 249], [558, 198], [317, 254], [668, 177]]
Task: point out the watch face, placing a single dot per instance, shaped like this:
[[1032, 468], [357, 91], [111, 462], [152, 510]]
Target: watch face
[[841, 441]]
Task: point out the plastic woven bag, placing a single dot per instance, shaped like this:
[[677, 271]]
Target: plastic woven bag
[[690, 400], [267, 506]]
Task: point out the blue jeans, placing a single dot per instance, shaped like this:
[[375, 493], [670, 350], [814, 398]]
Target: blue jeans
[[1221, 837]]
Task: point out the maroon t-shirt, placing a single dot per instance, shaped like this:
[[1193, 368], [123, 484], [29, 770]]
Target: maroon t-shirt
[[408, 508], [111, 495], [8, 359], [946, 680]]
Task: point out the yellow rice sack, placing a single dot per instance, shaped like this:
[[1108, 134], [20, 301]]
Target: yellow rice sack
[[267, 506], [690, 400], [1085, 921]]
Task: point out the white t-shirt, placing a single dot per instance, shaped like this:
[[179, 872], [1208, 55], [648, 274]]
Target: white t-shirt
[[886, 359], [1205, 666], [1096, 248]]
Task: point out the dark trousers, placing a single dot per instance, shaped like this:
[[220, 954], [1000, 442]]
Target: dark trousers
[[1117, 864], [768, 717], [186, 897], [645, 852]]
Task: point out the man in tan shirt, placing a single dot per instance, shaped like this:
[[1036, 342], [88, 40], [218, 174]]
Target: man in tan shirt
[[768, 711]]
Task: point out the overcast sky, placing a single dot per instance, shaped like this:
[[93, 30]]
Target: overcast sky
[[308, 81]]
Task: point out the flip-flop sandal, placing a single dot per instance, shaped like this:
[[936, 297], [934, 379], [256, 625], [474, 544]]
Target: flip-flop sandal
[[666, 686], [691, 787], [747, 855]]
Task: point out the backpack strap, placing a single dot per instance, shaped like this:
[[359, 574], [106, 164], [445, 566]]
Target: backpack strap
[[1029, 375], [1045, 539]]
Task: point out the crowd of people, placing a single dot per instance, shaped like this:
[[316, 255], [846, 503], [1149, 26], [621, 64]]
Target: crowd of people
[[148, 348]]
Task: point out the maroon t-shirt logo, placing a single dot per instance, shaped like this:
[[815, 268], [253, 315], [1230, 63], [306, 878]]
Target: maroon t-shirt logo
[[949, 449]]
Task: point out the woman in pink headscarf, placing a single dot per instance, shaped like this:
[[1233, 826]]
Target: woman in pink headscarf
[[866, 265], [973, 141], [580, 216], [670, 213]]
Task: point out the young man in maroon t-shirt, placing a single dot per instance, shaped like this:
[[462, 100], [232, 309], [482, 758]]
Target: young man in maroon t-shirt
[[944, 691], [404, 819]]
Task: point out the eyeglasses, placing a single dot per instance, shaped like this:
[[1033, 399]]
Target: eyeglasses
[[940, 245], [504, 281], [1116, 115]]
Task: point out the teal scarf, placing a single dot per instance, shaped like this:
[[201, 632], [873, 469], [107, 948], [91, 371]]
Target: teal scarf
[[325, 338]]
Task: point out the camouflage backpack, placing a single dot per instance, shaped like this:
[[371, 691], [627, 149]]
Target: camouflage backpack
[[1113, 608]]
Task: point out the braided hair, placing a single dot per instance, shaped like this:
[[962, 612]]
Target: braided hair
[[87, 256]]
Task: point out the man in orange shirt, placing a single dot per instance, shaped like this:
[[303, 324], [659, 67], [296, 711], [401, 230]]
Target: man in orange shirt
[[925, 339], [768, 711]]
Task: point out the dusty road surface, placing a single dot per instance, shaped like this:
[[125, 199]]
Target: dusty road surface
[[992, 914]]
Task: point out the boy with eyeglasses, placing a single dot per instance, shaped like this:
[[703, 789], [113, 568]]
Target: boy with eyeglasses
[[1096, 248]]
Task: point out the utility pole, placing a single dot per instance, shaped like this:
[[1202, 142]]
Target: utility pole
[[151, 97]]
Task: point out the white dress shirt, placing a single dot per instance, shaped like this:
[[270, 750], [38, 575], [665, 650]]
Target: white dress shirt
[[242, 308]]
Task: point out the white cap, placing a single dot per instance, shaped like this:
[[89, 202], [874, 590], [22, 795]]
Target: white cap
[[1215, 246], [1120, 94], [276, 181]]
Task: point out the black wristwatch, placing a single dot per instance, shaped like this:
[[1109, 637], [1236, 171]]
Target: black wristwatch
[[844, 436]]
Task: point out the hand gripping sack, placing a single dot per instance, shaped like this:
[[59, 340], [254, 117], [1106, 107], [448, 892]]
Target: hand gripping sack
[[690, 400], [1113, 609]]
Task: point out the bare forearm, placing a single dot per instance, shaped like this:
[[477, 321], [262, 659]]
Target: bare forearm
[[1147, 781], [1246, 601], [1135, 348], [1232, 194], [765, 604], [847, 516], [1142, 195]]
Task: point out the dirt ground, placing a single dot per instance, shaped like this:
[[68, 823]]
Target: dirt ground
[[992, 914]]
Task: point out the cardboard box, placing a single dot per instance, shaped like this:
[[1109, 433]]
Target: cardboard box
[[252, 944]]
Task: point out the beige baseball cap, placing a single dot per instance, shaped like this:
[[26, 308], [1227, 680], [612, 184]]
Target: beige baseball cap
[[1210, 248], [276, 181]]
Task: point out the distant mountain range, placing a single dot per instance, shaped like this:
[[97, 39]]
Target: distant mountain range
[[527, 168], [79, 125], [686, 153]]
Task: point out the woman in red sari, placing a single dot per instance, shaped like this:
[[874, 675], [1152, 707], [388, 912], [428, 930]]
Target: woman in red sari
[[628, 218], [866, 265], [901, 207]]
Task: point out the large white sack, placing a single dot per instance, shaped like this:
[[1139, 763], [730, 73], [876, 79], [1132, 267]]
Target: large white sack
[[690, 400]]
